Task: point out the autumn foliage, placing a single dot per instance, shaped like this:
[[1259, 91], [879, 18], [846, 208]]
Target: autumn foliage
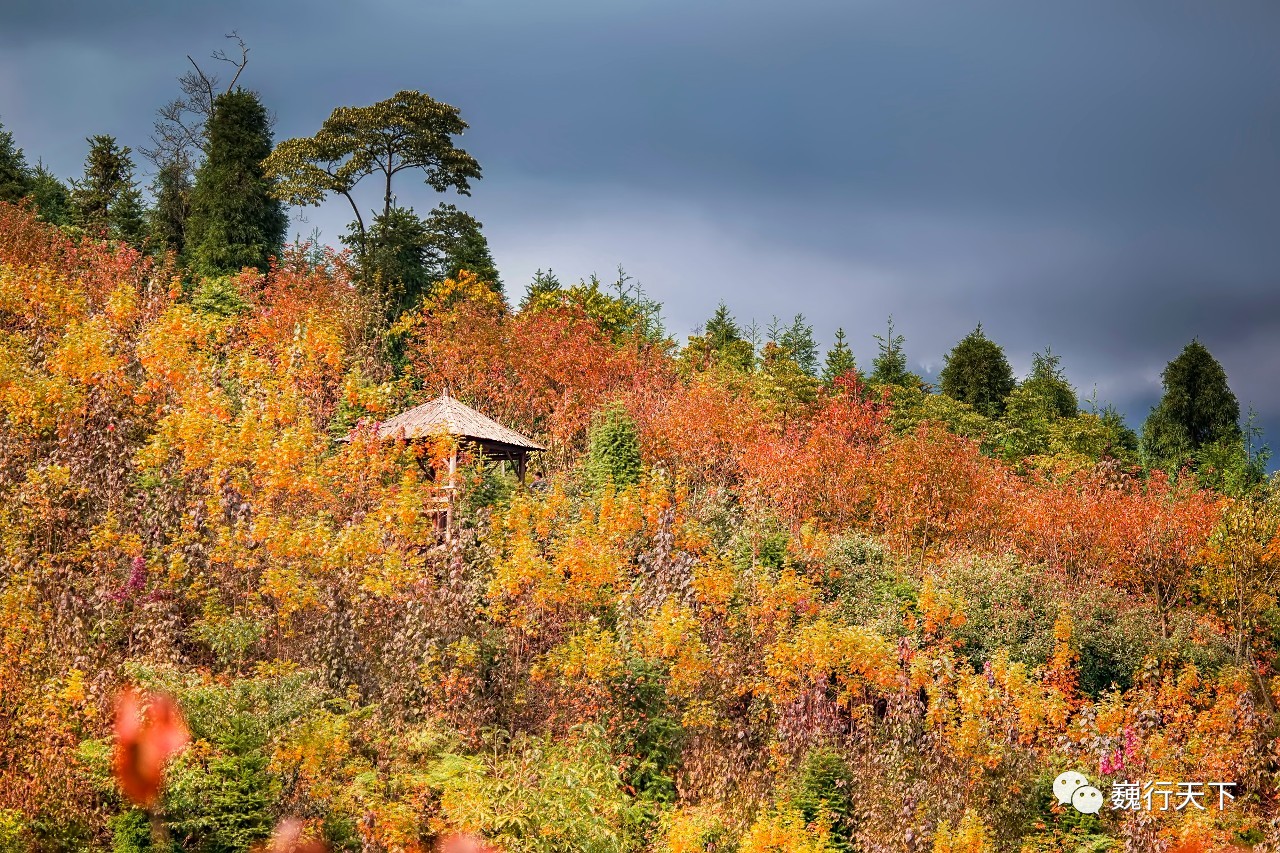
[[804, 628]]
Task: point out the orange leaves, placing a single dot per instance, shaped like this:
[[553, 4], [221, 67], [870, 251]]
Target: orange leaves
[[825, 468], [984, 717], [704, 429], [937, 611], [544, 373], [149, 732]]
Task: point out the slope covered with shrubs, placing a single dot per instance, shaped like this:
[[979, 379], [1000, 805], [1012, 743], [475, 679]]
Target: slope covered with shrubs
[[753, 611]]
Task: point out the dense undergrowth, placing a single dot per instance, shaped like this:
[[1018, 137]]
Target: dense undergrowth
[[752, 612]]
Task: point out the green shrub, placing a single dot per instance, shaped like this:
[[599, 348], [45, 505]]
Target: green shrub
[[1006, 606], [645, 730], [866, 587], [219, 297], [1112, 639], [823, 790], [540, 795], [130, 832], [223, 804], [613, 456], [11, 832]]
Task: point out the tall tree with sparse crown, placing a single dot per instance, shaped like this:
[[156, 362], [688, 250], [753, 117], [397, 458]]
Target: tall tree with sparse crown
[[408, 131]]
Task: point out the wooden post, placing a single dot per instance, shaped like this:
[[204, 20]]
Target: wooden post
[[448, 511]]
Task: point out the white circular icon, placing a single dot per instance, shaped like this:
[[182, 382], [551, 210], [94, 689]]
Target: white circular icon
[[1087, 799], [1066, 784]]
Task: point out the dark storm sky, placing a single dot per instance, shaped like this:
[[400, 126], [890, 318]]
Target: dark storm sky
[[1101, 177]]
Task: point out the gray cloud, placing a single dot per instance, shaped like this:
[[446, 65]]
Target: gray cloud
[[1101, 177]]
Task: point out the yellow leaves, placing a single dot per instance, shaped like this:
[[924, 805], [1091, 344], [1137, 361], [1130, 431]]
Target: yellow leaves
[[86, 355], [969, 836], [786, 832], [778, 602], [984, 716], [177, 349], [40, 299], [850, 655], [592, 655], [690, 829], [557, 558], [713, 585], [73, 692], [291, 591], [466, 288], [121, 308], [674, 637]]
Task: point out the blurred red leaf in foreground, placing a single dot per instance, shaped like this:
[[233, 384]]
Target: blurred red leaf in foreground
[[464, 844], [288, 839], [149, 731]]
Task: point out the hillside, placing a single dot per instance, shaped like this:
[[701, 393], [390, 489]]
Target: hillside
[[750, 608]]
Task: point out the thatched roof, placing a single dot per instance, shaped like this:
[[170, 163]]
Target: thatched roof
[[447, 416]]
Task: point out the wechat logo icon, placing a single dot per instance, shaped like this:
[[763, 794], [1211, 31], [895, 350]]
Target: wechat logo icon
[[1072, 787]]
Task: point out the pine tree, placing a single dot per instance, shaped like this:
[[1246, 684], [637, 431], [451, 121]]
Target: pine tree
[[50, 196], [172, 192], [1032, 409], [613, 457], [839, 359], [235, 221], [106, 201], [722, 329], [721, 342], [1198, 409], [782, 381], [15, 175], [798, 343], [1048, 388], [978, 373], [889, 367], [544, 288]]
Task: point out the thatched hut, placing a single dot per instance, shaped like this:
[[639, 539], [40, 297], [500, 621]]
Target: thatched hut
[[448, 416]]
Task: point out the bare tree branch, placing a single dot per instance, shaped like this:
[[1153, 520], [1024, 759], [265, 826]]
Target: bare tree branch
[[221, 55], [178, 134]]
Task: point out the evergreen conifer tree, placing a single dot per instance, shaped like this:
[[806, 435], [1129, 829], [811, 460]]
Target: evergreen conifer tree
[[839, 360], [235, 220], [889, 367], [106, 201], [977, 373], [15, 176], [1198, 409]]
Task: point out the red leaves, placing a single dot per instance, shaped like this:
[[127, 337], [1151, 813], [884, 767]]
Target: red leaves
[[149, 731]]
